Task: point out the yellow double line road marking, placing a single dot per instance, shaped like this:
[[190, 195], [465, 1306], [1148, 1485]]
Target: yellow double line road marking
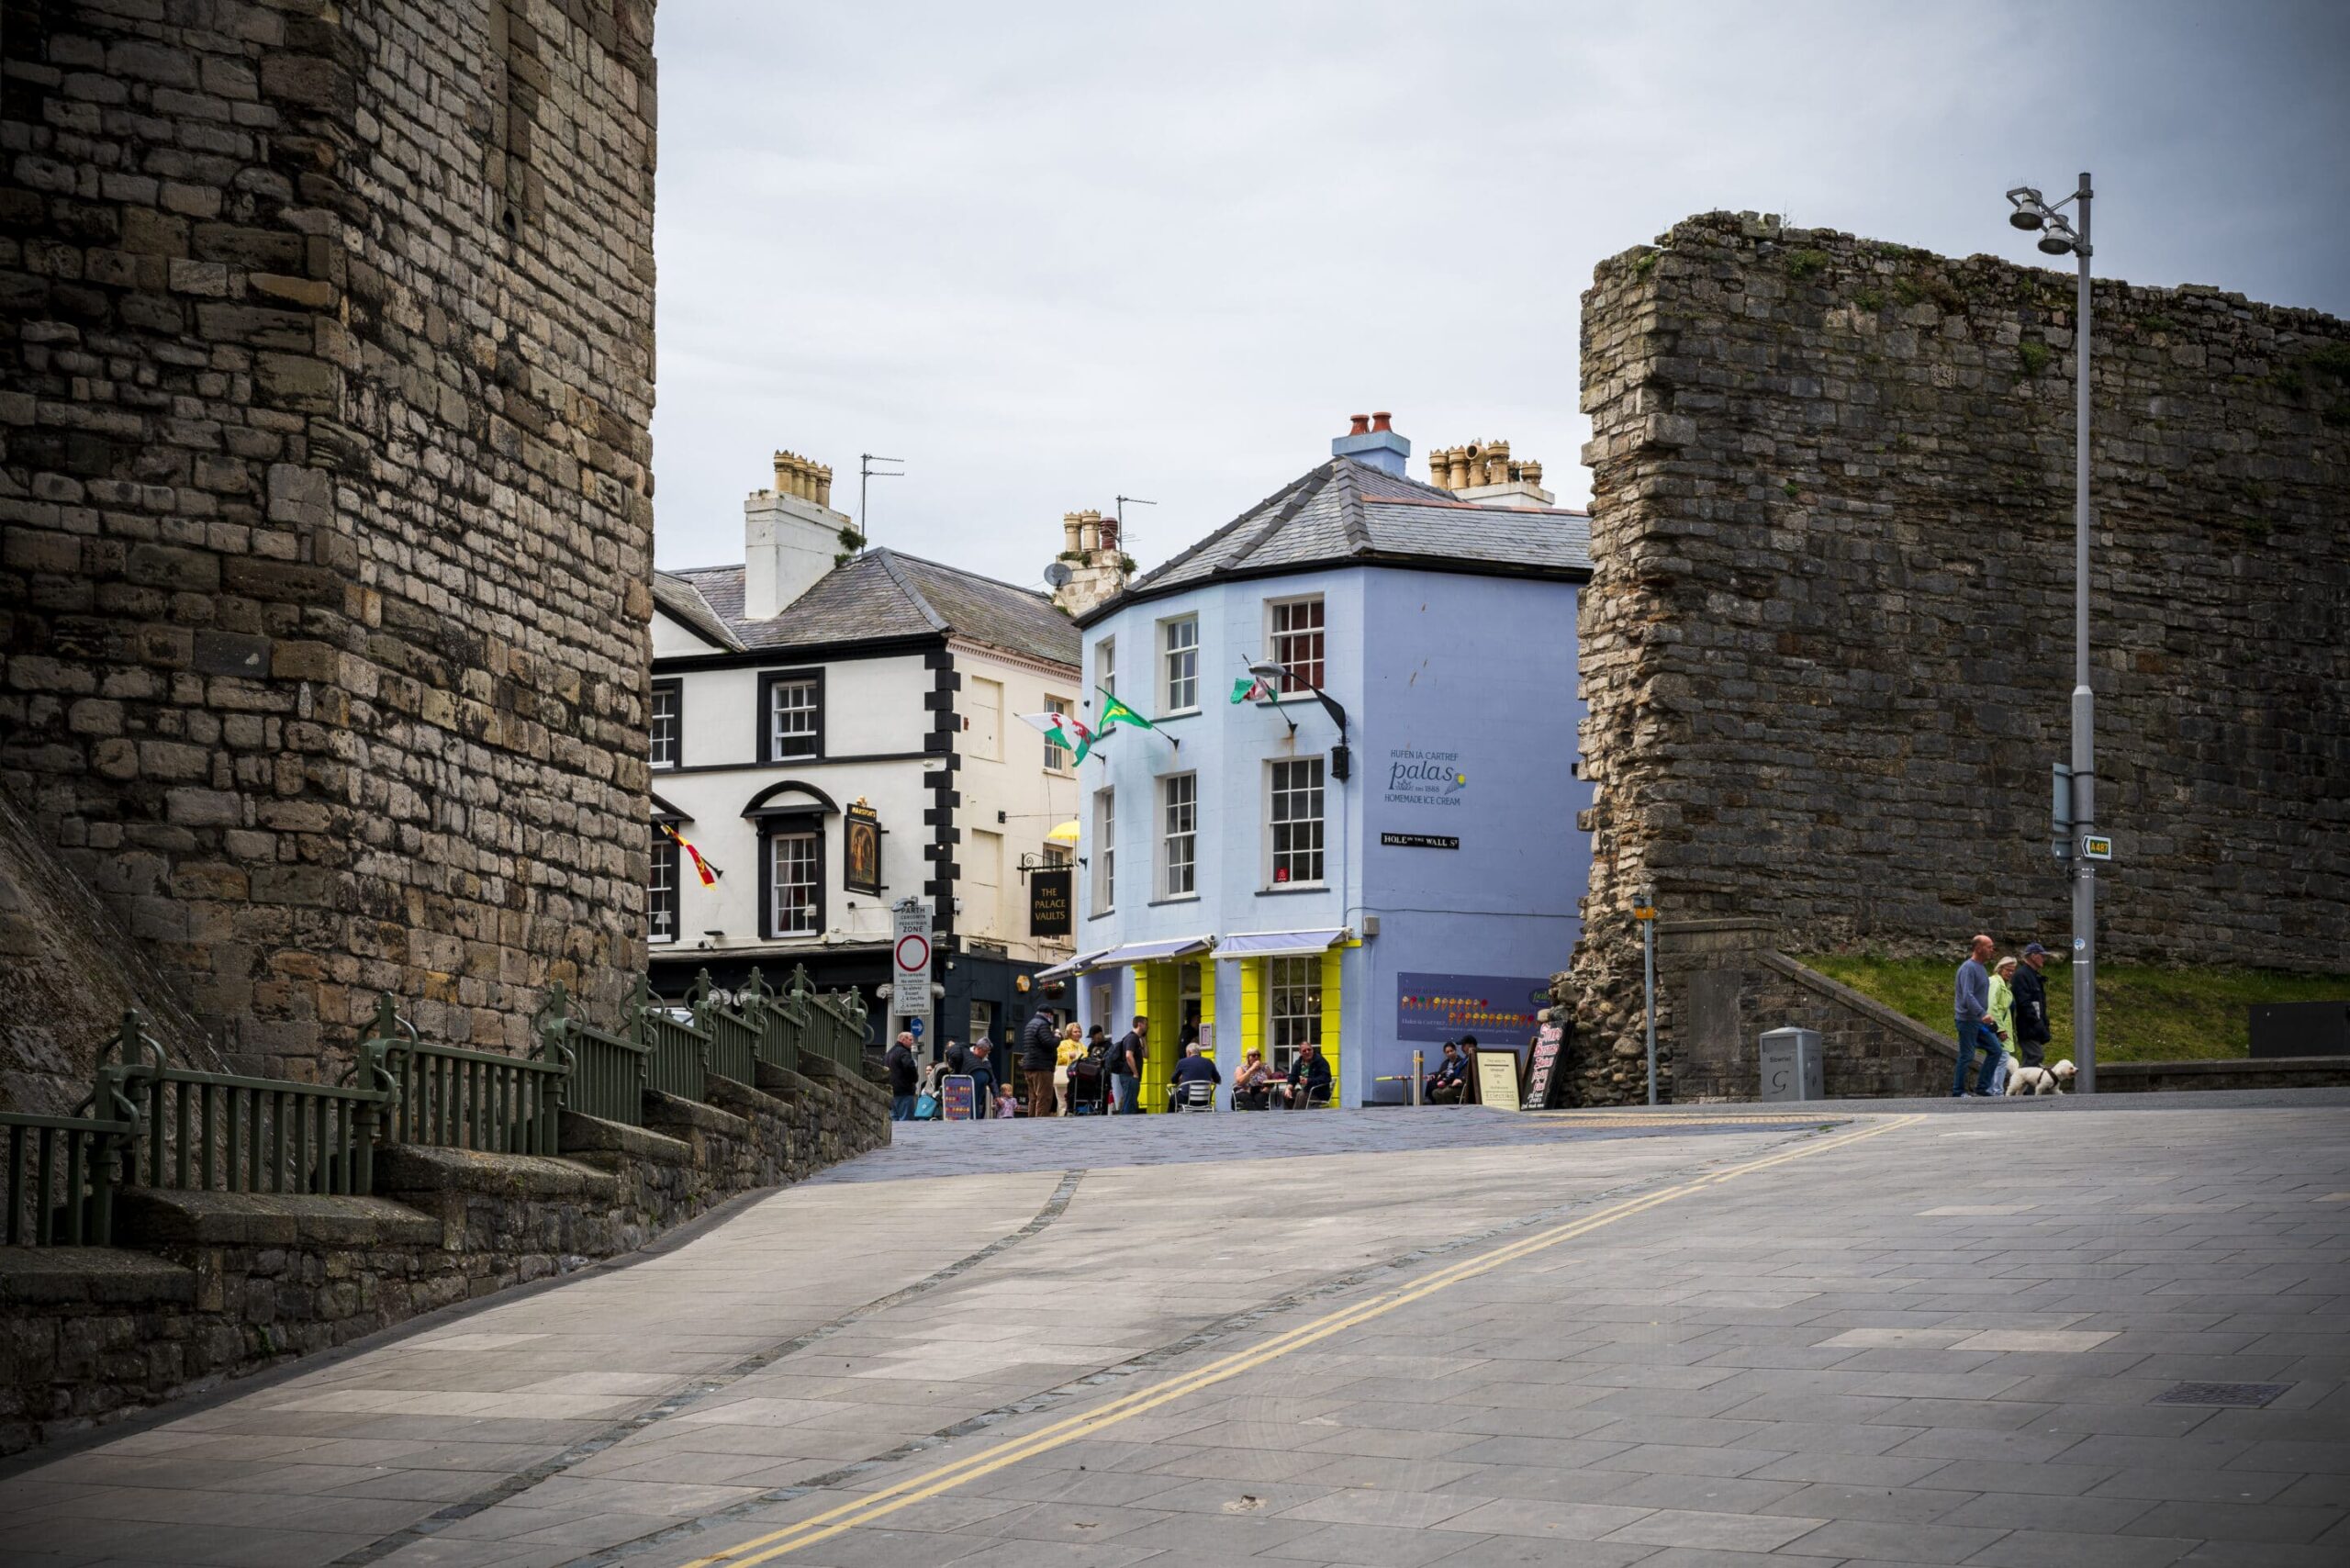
[[904, 1494]]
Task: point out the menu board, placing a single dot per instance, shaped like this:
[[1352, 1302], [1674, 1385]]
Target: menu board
[[1541, 1078], [1497, 1079], [954, 1096]]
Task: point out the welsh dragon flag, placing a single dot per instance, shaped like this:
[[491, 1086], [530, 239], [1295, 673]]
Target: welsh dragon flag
[[1248, 688], [1064, 730]]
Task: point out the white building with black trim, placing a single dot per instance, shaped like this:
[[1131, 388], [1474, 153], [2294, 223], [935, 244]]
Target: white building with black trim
[[835, 729]]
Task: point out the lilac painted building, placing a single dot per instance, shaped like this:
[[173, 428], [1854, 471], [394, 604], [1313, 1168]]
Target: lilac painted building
[[1249, 870]]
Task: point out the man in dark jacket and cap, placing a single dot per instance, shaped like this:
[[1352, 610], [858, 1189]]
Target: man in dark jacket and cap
[[1039, 1054], [2031, 988]]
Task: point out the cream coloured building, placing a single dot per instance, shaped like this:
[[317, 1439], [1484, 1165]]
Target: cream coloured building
[[820, 702]]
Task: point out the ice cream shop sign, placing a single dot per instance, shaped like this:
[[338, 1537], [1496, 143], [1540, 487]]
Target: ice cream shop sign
[[1425, 778]]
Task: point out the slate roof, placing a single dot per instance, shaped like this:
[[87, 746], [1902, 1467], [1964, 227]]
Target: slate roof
[[881, 593], [1345, 512]]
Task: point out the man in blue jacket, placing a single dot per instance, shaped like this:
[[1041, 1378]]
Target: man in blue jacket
[[1972, 1001]]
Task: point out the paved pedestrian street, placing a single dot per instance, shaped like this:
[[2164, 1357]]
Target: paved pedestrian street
[[2020, 1335]]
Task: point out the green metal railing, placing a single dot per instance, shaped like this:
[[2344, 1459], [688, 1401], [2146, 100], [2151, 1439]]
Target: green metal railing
[[450, 1097], [60, 1178], [683, 1056], [740, 1037], [609, 1074], [206, 1132], [149, 1122], [833, 1025]]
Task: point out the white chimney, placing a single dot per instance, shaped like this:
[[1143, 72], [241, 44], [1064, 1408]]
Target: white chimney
[[792, 536]]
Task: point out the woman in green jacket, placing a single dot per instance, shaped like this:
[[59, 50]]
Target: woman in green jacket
[[2003, 1018]]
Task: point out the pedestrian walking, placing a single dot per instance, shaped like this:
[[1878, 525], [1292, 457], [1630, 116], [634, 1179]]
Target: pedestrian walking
[[1125, 1066], [904, 1077], [2003, 1020], [2032, 1005], [1971, 1000], [1039, 1054]]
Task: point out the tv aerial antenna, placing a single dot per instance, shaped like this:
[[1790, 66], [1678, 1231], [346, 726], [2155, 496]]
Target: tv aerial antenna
[[1121, 519], [866, 473]]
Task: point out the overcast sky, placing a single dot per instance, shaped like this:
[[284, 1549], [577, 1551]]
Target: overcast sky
[[1047, 254]]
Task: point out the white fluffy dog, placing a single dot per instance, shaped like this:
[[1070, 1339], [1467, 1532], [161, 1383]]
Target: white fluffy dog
[[2040, 1080]]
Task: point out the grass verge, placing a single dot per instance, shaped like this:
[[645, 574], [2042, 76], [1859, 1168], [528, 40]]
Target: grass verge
[[2144, 1012]]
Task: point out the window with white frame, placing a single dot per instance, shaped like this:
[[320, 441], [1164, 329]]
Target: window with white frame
[[1057, 754], [1106, 665], [1179, 819], [1294, 629], [1293, 1008], [661, 897], [794, 885], [1179, 649], [795, 718], [1293, 821], [1105, 850], [668, 698]]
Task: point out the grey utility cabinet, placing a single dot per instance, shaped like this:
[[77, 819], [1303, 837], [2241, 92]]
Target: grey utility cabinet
[[1791, 1068]]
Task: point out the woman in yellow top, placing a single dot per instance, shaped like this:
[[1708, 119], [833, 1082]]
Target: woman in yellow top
[[1071, 1048], [2003, 1018]]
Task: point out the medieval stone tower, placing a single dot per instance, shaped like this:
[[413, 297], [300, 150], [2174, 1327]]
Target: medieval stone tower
[[325, 482]]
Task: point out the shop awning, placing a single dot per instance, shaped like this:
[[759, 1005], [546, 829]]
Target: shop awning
[[1278, 944], [1067, 968], [1151, 952]]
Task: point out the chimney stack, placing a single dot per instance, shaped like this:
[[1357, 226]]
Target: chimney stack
[[791, 536], [1483, 472], [1372, 440], [1092, 551]]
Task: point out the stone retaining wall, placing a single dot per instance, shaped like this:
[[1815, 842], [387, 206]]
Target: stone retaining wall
[[208, 1286], [1826, 646]]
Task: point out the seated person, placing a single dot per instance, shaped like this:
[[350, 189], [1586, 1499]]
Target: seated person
[[1193, 1068], [1309, 1078], [1252, 1086], [1449, 1084]]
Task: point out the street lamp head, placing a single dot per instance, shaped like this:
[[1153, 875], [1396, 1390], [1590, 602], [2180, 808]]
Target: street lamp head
[[2056, 244], [2026, 217], [1265, 669]]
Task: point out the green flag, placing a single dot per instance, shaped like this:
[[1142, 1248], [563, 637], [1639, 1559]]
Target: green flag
[[1248, 688], [1116, 712]]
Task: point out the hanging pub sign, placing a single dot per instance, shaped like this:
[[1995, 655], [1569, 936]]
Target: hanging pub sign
[[861, 850], [1049, 895]]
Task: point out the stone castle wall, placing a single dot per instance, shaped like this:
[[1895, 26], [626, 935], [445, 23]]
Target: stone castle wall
[[1828, 642], [324, 476]]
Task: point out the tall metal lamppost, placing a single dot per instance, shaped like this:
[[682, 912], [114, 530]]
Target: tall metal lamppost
[[2075, 839]]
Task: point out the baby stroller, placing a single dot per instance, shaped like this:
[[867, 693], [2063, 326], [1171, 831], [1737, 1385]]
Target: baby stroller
[[1085, 1085]]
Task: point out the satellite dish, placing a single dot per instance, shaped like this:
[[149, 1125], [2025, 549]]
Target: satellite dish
[[1057, 575]]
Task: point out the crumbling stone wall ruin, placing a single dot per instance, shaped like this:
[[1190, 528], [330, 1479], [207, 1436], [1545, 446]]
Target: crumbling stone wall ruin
[[1827, 641], [326, 334]]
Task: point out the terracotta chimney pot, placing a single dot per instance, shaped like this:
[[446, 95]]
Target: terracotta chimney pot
[[1379, 421], [1360, 424]]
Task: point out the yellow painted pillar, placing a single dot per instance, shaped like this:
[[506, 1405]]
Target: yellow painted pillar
[[1331, 969], [1163, 1006], [1207, 999]]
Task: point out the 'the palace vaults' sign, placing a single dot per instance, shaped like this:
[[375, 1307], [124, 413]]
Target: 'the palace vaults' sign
[[1048, 902]]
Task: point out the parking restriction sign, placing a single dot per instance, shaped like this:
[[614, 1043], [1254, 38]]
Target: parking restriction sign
[[909, 959]]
